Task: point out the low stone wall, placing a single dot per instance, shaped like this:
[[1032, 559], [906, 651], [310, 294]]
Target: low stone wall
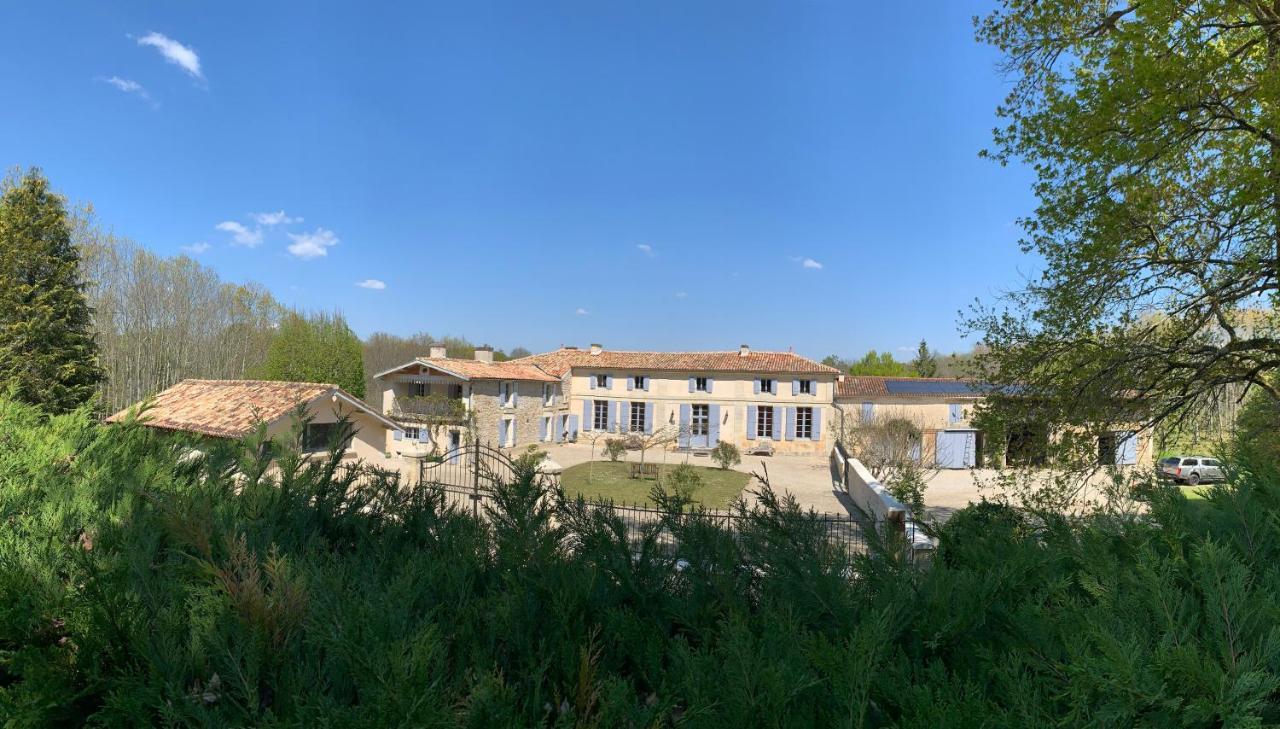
[[873, 499]]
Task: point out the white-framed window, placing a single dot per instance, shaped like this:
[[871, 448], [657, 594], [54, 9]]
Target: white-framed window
[[507, 394], [637, 382], [548, 394], [510, 432], [766, 386], [700, 384], [804, 423], [637, 417], [764, 421], [547, 433], [602, 382], [412, 433], [806, 387], [419, 389], [600, 415], [701, 419]]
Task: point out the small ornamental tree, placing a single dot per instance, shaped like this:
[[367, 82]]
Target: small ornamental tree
[[48, 356], [726, 455], [614, 448]]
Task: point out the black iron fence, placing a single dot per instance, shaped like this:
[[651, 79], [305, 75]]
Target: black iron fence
[[467, 477]]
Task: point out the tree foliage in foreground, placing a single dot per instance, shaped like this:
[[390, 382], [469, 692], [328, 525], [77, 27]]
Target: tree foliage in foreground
[[316, 347], [47, 352], [1154, 131], [140, 586]]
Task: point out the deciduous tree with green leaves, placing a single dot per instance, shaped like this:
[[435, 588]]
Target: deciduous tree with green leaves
[[48, 356], [1154, 132], [316, 347]]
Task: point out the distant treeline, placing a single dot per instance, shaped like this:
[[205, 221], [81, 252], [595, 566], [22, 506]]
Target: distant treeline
[[158, 320]]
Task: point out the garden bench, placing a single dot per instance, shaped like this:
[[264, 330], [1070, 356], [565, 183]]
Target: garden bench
[[644, 470]]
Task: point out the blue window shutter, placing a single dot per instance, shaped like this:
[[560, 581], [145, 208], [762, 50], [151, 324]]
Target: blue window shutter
[[502, 433], [795, 387], [648, 415], [646, 383], [685, 418], [542, 429], [573, 426], [399, 434], [624, 416], [586, 414], [955, 413], [755, 387], [791, 423], [513, 433], [711, 381], [591, 382], [714, 430], [515, 394], [612, 411], [692, 383], [631, 382], [868, 412], [817, 425], [773, 387], [751, 419], [777, 423], [558, 423], [608, 382], [424, 434]]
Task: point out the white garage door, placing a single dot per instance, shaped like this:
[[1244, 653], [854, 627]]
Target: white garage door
[[957, 448]]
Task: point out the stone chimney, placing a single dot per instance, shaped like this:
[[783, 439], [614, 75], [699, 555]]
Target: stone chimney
[[743, 350], [596, 349], [438, 353], [484, 354]]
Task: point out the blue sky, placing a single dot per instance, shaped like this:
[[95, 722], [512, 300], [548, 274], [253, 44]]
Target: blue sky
[[646, 175]]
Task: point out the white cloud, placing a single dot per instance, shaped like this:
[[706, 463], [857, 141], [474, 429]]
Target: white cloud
[[277, 218], [682, 294], [372, 283], [810, 263], [129, 86], [241, 235], [312, 245], [581, 311], [646, 249], [196, 249], [174, 52]]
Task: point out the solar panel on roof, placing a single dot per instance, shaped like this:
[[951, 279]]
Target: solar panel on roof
[[930, 387]]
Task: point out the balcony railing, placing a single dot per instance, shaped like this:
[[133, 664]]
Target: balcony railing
[[445, 408]]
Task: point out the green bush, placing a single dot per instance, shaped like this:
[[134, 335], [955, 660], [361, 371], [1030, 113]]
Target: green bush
[[140, 586], [615, 448], [683, 480], [726, 455]]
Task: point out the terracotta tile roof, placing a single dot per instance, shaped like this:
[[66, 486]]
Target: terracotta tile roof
[[474, 369], [562, 360], [226, 408], [910, 387]]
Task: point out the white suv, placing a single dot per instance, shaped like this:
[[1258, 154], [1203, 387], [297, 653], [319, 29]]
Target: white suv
[[1191, 469]]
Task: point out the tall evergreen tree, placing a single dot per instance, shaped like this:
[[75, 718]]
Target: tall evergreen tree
[[48, 356], [317, 348], [925, 364]]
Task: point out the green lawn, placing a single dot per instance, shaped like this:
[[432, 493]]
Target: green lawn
[[606, 480], [1194, 493]]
